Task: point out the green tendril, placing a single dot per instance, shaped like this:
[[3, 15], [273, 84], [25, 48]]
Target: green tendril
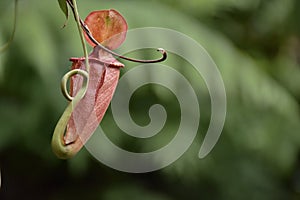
[[8, 43], [77, 19], [65, 79], [59, 146]]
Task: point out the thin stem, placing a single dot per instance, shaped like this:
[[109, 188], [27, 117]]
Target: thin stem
[[77, 19], [6, 45], [89, 34]]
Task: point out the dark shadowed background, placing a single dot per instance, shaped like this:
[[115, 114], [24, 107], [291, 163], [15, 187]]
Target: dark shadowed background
[[256, 46]]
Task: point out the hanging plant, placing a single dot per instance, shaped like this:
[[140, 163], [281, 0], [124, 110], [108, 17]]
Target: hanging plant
[[93, 78]]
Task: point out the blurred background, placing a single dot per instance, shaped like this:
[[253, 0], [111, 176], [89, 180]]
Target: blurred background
[[256, 46]]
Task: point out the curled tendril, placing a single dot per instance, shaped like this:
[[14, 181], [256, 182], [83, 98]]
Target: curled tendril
[[67, 76], [89, 34], [62, 149]]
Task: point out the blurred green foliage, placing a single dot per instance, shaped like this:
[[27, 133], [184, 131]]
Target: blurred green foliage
[[255, 44]]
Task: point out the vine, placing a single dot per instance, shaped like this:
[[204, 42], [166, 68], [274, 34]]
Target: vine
[[8, 43], [84, 113]]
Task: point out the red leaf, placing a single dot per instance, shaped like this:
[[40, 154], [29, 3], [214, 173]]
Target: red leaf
[[103, 79], [108, 27]]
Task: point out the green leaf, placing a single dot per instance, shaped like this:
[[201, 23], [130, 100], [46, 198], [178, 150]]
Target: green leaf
[[64, 7]]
